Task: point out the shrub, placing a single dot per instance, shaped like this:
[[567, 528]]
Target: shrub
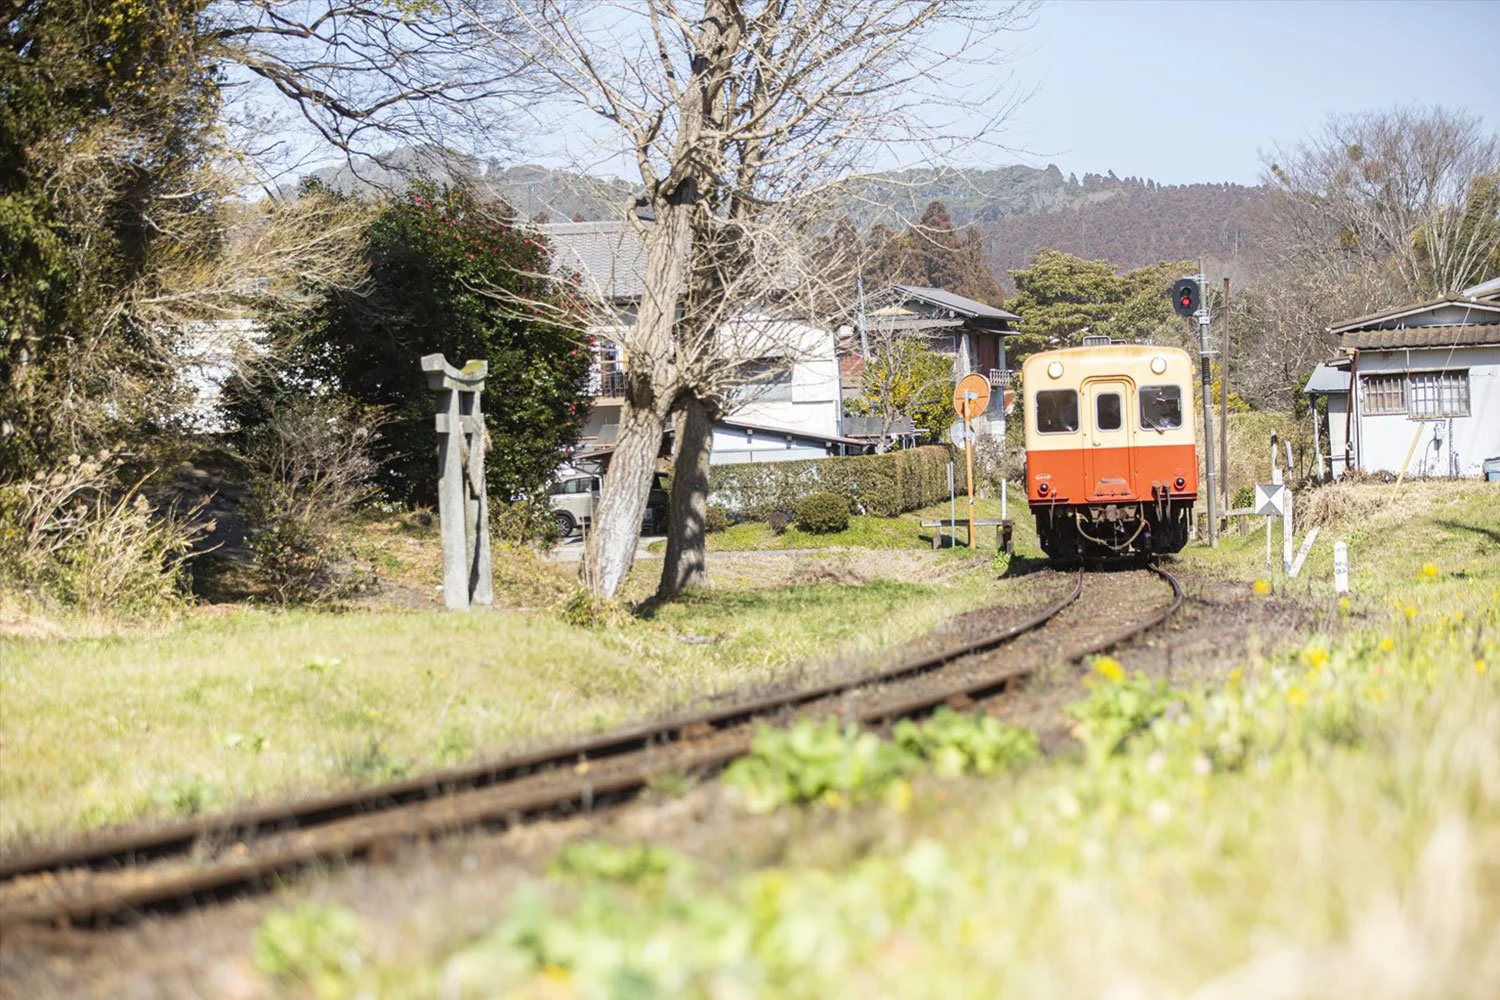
[[822, 513], [74, 535], [778, 521], [1244, 496], [715, 519], [524, 522], [310, 468], [883, 485]]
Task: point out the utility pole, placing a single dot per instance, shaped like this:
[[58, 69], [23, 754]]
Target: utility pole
[[1205, 350], [1224, 401]]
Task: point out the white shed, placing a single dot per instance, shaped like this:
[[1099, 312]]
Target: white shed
[[1427, 388]]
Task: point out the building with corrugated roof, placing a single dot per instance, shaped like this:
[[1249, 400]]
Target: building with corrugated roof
[[1416, 389]]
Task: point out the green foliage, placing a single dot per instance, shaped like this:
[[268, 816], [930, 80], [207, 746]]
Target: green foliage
[[441, 268], [107, 115], [1117, 708], [715, 519], [635, 864], [816, 762], [882, 485], [1062, 297], [1244, 497], [316, 946], [823, 513], [778, 521], [966, 744], [904, 378]]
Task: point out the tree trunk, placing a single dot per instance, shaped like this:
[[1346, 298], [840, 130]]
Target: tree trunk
[[686, 563], [616, 526]]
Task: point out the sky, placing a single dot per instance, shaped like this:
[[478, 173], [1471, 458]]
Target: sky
[[1183, 92]]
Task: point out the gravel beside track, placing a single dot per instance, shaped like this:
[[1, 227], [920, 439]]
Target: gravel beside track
[[184, 865]]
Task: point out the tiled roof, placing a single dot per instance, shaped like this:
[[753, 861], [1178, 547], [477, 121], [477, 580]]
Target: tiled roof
[[1468, 334], [609, 258]]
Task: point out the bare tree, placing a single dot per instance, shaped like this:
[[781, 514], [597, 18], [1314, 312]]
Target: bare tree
[[739, 116], [1409, 193]]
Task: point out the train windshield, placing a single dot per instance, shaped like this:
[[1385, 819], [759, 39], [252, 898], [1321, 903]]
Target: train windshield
[[1161, 407], [1057, 411]]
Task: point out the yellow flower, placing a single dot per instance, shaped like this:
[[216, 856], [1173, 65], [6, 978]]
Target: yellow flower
[[1411, 611], [1316, 658], [1387, 644], [898, 795], [1109, 668], [1261, 587], [1344, 605], [1235, 677], [1430, 571], [1296, 697], [1479, 667]]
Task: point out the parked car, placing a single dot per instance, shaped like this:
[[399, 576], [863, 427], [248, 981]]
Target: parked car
[[575, 498]]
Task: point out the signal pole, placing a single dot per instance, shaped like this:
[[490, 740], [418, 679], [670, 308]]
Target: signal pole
[[1204, 351]]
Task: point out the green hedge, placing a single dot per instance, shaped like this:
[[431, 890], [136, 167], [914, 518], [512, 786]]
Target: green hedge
[[885, 485], [823, 513]]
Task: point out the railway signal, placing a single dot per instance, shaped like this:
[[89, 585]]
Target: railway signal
[[1187, 296]]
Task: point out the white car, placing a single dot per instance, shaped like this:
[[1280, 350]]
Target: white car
[[575, 497]]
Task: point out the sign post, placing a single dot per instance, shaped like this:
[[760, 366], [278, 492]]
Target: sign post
[[1341, 567], [970, 397], [1271, 501]]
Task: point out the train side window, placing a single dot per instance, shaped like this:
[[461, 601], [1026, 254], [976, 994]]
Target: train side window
[[1107, 411], [1057, 411], [1161, 407]]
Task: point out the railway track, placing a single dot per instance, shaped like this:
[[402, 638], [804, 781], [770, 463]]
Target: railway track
[[188, 863]]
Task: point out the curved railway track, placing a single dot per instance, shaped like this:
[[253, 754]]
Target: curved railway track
[[183, 864]]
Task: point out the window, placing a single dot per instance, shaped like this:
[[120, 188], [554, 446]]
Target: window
[[1383, 394], [1161, 407], [1107, 411], [1440, 394], [767, 381], [1057, 411]]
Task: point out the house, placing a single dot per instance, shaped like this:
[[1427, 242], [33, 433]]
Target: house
[[790, 409], [971, 333], [1426, 381]]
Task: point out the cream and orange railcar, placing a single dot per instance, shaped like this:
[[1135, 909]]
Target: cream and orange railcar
[[1111, 455]]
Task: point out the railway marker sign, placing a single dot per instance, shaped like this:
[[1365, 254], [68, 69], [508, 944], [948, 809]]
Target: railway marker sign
[[971, 396], [1270, 499], [1341, 567], [1307, 544]]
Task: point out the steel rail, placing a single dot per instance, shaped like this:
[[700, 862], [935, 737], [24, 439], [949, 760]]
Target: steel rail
[[537, 793], [133, 846]]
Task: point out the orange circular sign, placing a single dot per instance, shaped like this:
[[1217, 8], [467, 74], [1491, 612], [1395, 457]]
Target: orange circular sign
[[972, 395]]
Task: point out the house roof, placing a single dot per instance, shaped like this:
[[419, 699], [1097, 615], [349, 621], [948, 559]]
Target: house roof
[[955, 303], [1327, 380], [787, 432], [1447, 335], [1475, 311], [609, 258]]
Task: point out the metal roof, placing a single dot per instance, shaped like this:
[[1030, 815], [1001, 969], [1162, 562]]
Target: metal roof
[[1422, 336], [609, 258], [1483, 312], [955, 303], [1327, 380], [786, 431]]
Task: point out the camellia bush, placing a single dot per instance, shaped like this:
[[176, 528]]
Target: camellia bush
[[449, 275]]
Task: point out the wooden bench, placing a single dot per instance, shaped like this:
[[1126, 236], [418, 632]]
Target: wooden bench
[[1003, 530]]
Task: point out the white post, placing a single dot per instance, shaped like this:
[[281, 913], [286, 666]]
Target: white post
[[1341, 567], [952, 509], [1003, 484], [1307, 544], [1286, 534]]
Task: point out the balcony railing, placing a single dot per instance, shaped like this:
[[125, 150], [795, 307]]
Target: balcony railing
[[998, 377], [606, 384]]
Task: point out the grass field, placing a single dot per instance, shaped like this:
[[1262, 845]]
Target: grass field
[[1323, 824], [231, 704], [864, 532]]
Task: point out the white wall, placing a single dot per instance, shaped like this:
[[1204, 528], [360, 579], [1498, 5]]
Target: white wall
[[813, 406], [1443, 443], [735, 444]]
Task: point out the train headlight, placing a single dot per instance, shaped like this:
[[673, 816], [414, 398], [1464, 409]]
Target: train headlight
[[1158, 365], [1054, 370], [1044, 489], [1181, 483]]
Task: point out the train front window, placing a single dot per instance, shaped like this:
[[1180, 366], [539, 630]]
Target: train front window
[[1107, 411], [1057, 411], [1161, 407]]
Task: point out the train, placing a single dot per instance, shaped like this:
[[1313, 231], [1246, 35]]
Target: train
[[1111, 450]]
